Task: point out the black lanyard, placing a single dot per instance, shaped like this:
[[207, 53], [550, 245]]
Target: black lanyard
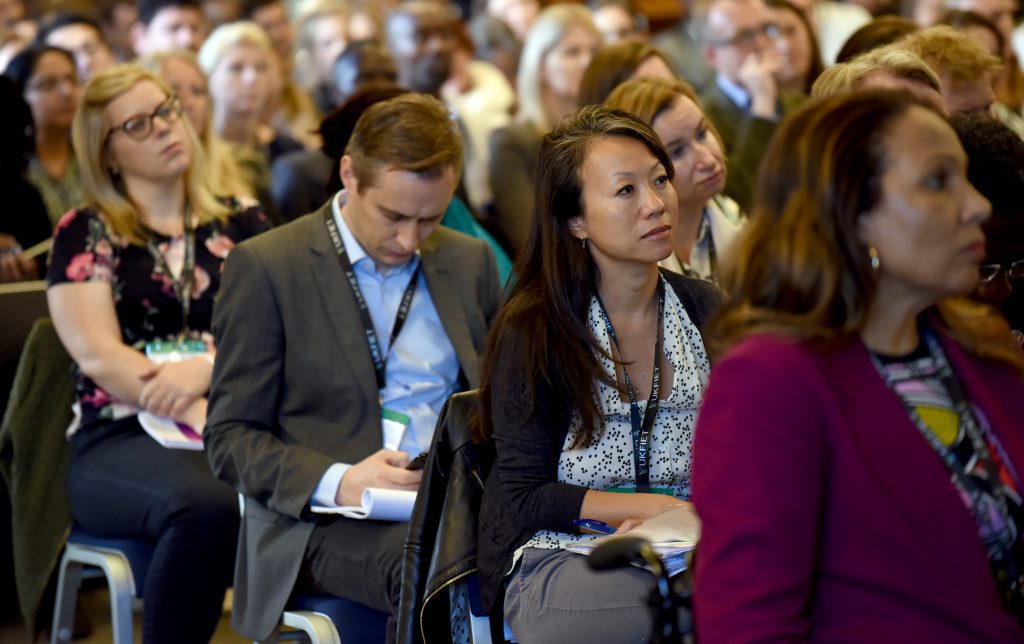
[[183, 285], [379, 359], [641, 427]]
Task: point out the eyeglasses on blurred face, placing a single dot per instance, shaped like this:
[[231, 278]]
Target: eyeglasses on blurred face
[[748, 37], [989, 272]]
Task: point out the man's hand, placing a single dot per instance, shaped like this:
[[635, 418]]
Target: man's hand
[[757, 74], [385, 468]]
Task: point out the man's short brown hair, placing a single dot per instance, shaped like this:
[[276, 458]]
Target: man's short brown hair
[[412, 132]]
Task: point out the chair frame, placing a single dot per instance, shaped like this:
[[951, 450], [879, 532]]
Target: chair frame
[[314, 626], [120, 580]]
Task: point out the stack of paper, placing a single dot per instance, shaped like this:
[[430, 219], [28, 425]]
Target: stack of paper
[[672, 534], [169, 432], [380, 504]]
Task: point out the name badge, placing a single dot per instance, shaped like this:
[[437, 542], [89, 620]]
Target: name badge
[[393, 425], [161, 351]]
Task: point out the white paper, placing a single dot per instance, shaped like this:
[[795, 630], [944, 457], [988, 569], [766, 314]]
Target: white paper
[[170, 433], [380, 504], [671, 533]]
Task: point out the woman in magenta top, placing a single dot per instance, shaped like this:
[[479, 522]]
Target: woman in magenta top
[[858, 458]]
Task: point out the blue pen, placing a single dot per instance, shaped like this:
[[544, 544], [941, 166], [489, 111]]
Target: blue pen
[[593, 526]]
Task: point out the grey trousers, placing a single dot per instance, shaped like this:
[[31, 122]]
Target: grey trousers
[[554, 597]]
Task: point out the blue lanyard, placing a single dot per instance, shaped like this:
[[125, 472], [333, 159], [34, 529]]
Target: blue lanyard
[[641, 426]]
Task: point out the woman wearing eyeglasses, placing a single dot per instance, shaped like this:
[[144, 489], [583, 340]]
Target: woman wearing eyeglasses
[[131, 285], [48, 81], [994, 153]]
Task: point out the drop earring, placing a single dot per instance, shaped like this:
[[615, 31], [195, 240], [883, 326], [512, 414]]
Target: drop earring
[[583, 243], [875, 262]]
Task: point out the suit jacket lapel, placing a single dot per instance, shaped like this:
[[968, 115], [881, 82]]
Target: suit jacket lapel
[[341, 308], [444, 286]]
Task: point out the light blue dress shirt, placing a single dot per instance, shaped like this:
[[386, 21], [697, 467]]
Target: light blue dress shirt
[[421, 369], [735, 92]]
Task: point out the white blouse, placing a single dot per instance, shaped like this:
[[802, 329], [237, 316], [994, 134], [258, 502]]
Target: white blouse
[[608, 462]]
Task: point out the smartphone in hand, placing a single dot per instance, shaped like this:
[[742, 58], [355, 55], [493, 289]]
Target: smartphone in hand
[[417, 463]]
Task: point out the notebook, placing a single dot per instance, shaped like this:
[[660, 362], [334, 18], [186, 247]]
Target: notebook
[[380, 504], [170, 433]]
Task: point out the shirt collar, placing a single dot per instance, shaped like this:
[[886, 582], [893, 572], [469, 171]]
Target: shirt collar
[[355, 250], [736, 93], [704, 232]]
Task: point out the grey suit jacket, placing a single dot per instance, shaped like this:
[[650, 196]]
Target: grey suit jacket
[[294, 389], [515, 152], [745, 138]]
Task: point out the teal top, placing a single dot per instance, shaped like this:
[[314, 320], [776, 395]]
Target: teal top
[[458, 217]]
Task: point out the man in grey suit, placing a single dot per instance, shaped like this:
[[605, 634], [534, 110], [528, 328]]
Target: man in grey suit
[[340, 336], [744, 100]]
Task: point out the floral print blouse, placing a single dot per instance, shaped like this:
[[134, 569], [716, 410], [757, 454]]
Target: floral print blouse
[[86, 250]]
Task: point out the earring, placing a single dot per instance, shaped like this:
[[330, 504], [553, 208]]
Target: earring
[[583, 243], [875, 262]]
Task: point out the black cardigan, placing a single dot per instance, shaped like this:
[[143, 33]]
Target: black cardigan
[[522, 493]]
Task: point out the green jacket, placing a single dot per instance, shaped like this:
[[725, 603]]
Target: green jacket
[[34, 463]]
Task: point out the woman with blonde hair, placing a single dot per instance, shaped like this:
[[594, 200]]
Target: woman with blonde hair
[[180, 69], [861, 443], [708, 221], [131, 284], [241, 66], [555, 55]]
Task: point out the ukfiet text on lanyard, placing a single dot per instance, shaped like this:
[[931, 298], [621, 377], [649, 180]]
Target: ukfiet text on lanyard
[[379, 358], [641, 426]]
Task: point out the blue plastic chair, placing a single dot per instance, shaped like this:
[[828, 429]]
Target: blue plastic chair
[[124, 563], [320, 617]]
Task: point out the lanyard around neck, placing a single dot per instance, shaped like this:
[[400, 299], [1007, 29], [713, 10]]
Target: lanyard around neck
[[1010, 580], [641, 426], [379, 358], [186, 279]]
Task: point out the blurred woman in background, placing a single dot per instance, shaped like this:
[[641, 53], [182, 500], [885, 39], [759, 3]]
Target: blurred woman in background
[[554, 57], [181, 71], [798, 47], [48, 80], [614, 64], [708, 220], [241, 67]]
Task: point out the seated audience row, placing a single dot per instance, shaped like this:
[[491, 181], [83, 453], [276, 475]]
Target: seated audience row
[[845, 233]]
